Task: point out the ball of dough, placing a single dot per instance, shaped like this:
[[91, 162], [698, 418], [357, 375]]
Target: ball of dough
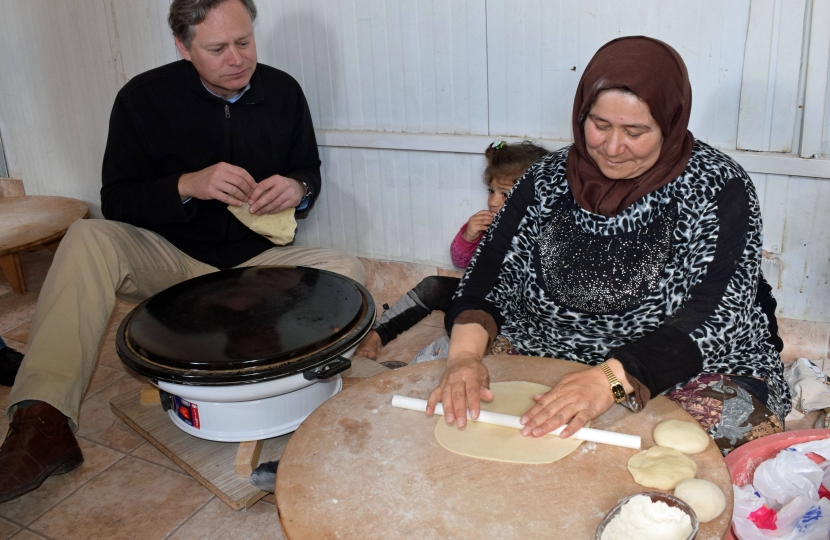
[[705, 498], [688, 437], [660, 467]]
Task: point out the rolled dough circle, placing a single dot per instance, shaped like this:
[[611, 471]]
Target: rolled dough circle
[[705, 498], [661, 467], [497, 443], [688, 437]]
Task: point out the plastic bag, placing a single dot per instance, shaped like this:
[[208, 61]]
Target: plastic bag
[[820, 447], [802, 519], [810, 389], [751, 514], [808, 386], [789, 475], [794, 512], [788, 497], [439, 348]]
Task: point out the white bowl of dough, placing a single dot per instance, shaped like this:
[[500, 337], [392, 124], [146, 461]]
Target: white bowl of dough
[[645, 527]]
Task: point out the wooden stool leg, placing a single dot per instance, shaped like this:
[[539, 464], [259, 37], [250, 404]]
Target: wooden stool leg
[[53, 246], [10, 265], [247, 458], [149, 395]]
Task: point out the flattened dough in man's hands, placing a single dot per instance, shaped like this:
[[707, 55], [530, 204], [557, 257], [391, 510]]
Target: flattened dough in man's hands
[[278, 228], [497, 443]]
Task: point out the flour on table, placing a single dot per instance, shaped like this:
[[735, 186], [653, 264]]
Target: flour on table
[[644, 519]]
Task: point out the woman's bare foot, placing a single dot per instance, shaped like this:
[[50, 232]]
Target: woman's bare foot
[[369, 346]]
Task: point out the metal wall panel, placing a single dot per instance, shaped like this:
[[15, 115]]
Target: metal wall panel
[[3, 171], [825, 132], [140, 34], [409, 65], [797, 243], [467, 67], [770, 82], [815, 140], [538, 50], [394, 204], [61, 66]]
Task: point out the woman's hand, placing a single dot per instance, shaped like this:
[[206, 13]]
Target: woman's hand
[[463, 385], [579, 397], [466, 380]]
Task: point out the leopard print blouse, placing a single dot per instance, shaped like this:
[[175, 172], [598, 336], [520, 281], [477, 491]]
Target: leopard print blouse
[[670, 286]]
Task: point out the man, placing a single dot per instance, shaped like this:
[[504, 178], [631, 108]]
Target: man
[[185, 140]]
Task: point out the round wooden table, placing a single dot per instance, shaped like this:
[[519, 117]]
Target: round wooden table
[[29, 223], [360, 468]]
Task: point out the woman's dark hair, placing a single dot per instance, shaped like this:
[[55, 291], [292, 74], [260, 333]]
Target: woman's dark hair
[[510, 161], [185, 14]]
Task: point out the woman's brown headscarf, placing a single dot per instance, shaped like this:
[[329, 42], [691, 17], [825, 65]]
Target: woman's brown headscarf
[[654, 72]]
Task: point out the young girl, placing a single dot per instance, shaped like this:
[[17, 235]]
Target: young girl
[[505, 164]]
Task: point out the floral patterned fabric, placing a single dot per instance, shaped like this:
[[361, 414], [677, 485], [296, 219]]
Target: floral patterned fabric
[[729, 413]]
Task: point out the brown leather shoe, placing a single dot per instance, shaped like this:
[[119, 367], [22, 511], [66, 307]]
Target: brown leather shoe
[[39, 443]]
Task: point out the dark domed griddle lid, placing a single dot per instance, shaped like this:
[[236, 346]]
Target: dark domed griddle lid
[[245, 325]]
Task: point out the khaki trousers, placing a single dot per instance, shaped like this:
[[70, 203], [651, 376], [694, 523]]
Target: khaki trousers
[[97, 261]]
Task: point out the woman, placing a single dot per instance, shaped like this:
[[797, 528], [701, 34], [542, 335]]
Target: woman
[[637, 251]]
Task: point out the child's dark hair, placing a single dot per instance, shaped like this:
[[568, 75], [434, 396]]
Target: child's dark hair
[[510, 160]]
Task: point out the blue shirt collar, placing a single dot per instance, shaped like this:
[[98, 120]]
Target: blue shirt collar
[[232, 99]]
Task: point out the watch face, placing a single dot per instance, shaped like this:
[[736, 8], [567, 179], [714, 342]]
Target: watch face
[[619, 393]]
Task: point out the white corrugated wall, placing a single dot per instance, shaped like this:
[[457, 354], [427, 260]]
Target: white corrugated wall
[[405, 94]]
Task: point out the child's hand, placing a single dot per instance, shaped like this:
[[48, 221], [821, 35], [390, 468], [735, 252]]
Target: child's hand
[[477, 224]]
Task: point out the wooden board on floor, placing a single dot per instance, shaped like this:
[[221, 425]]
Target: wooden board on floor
[[209, 462], [212, 463]]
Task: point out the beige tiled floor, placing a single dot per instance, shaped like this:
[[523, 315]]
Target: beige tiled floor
[[126, 488]]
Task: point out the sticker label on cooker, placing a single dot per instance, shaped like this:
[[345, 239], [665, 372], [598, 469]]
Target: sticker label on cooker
[[188, 412]]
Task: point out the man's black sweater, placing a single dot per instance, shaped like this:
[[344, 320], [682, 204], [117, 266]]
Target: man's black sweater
[[164, 123]]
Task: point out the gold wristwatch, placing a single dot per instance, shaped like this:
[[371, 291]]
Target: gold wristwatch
[[616, 386]]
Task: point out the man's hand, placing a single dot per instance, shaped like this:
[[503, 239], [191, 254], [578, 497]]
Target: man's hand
[[222, 182], [477, 224], [275, 194]]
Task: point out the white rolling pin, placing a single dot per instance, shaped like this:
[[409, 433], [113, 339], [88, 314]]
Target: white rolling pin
[[506, 420]]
